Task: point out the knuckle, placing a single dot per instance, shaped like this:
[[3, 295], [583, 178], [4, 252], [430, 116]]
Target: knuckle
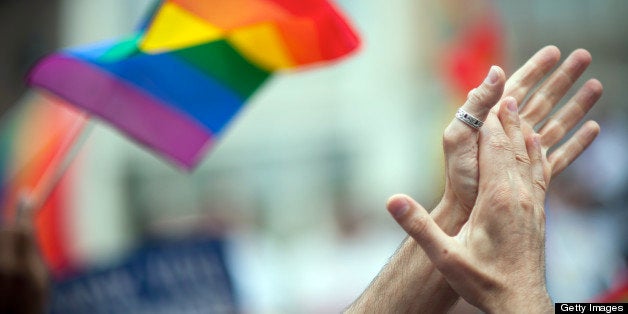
[[553, 126], [523, 158], [477, 95], [483, 94], [417, 226], [500, 143], [526, 201], [502, 198], [518, 89], [540, 184], [452, 137]]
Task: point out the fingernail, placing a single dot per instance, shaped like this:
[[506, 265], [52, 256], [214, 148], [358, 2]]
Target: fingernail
[[398, 207], [536, 138], [492, 76], [512, 104]]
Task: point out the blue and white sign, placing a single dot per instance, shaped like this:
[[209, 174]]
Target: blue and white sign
[[163, 277]]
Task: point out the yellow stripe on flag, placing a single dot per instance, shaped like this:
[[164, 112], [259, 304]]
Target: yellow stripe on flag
[[175, 28], [263, 45]]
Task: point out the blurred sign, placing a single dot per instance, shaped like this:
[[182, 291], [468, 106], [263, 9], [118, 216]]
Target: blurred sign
[[164, 277]]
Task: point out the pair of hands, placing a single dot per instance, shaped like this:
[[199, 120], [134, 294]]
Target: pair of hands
[[491, 248], [484, 241], [496, 260]]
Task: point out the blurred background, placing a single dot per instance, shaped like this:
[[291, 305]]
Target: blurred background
[[293, 195]]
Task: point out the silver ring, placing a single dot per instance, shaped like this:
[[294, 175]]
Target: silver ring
[[469, 119]]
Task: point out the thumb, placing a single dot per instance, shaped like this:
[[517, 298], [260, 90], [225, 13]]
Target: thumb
[[458, 136], [415, 220], [481, 99]]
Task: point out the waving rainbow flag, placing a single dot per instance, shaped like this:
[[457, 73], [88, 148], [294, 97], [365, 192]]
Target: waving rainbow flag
[[176, 84]]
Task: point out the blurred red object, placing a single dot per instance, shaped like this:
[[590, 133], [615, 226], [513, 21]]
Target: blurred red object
[[478, 44], [616, 294]]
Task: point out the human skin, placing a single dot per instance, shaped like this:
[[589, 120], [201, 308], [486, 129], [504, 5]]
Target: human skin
[[497, 260], [410, 282], [23, 276]]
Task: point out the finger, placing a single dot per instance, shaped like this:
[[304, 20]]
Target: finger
[[569, 115], [539, 184], [460, 141], [496, 157], [480, 100], [415, 220], [531, 73], [570, 150], [509, 118], [478, 104], [555, 87]]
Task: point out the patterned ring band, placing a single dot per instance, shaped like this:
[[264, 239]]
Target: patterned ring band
[[469, 119]]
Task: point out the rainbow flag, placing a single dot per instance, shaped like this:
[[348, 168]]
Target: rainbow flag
[[191, 67], [34, 140]]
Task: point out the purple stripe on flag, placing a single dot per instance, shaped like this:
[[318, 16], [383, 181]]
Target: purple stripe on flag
[[145, 118]]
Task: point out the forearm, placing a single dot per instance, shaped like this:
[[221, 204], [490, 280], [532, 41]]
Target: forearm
[[534, 300], [410, 283]]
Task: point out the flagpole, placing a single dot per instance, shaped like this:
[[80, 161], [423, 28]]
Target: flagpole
[[38, 197]]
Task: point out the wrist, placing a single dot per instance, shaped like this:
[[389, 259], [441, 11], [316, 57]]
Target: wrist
[[537, 301], [395, 289], [450, 216]]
